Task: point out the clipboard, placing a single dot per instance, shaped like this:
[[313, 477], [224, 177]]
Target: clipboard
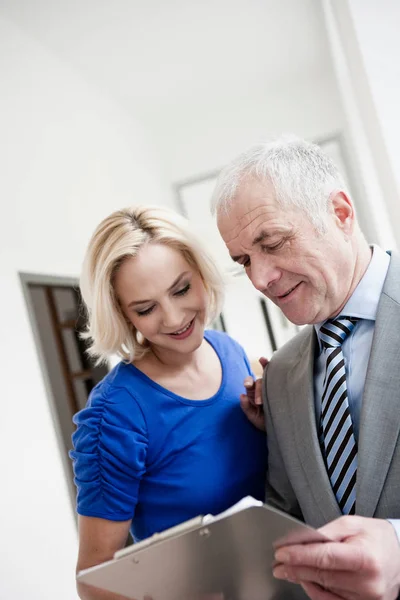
[[228, 556]]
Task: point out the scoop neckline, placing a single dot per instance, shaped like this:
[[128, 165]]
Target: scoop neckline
[[182, 399]]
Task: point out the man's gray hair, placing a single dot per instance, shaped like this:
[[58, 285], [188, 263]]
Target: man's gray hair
[[300, 173]]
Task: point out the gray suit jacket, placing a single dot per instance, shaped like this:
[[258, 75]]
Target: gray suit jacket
[[298, 482]]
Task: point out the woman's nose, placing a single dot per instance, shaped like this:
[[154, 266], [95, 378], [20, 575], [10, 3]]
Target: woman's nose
[[173, 317]]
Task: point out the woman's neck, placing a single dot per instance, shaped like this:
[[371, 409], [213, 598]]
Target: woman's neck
[[161, 358]]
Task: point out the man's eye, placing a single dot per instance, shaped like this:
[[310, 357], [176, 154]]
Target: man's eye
[[245, 262], [142, 313], [272, 248]]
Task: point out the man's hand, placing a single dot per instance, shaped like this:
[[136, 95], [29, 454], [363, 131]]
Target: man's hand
[[251, 402], [361, 563]]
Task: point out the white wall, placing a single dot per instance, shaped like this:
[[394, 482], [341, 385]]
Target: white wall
[[67, 158], [370, 161], [374, 26], [203, 137]]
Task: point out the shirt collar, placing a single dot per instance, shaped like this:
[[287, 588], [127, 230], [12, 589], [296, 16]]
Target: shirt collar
[[363, 303]]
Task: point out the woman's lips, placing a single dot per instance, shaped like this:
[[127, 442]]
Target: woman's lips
[[185, 333]]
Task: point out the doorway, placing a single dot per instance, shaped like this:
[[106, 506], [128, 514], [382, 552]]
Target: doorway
[[58, 318]]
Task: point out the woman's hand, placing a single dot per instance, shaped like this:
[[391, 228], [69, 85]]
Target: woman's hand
[[252, 402]]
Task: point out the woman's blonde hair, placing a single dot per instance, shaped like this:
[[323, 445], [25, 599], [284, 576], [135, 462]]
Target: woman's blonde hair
[[118, 237]]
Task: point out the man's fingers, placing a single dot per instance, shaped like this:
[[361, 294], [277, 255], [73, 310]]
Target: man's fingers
[[343, 528], [340, 581], [363, 563], [330, 556], [263, 361], [316, 592]]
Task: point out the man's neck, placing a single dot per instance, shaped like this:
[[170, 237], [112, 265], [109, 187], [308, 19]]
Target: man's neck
[[363, 258]]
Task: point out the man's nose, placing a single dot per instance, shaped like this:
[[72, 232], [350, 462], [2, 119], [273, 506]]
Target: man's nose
[[262, 273]]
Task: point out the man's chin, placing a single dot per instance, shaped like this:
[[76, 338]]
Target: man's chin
[[300, 317], [298, 321]]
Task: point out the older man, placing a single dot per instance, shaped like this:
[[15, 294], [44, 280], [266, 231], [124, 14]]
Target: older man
[[332, 394]]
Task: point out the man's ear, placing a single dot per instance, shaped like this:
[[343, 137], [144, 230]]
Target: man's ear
[[343, 211]]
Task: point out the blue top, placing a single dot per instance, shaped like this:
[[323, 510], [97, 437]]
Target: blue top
[[143, 452]]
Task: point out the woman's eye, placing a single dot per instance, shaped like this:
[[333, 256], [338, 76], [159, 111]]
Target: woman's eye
[[183, 291], [142, 313], [147, 311]]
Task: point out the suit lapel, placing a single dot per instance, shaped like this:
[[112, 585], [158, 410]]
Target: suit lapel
[[380, 413], [301, 398]]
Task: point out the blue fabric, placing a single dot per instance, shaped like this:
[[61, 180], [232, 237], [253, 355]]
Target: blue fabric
[[143, 452]]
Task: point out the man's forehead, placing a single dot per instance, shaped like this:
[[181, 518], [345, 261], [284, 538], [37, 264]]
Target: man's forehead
[[244, 219], [238, 217], [250, 193]]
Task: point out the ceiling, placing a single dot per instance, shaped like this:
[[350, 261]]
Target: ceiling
[[154, 54]]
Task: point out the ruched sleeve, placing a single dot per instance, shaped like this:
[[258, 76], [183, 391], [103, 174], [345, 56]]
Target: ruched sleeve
[[109, 455]]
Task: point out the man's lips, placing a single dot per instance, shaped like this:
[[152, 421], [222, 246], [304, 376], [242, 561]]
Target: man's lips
[[289, 291]]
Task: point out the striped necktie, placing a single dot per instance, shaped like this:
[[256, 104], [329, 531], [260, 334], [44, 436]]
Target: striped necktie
[[337, 435]]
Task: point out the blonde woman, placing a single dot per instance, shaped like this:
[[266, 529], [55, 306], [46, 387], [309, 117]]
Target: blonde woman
[[163, 437]]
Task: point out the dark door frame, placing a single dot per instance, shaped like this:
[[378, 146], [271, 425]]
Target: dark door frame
[[35, 279]]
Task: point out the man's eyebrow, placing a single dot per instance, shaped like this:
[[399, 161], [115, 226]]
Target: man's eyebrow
[[177, 280]]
